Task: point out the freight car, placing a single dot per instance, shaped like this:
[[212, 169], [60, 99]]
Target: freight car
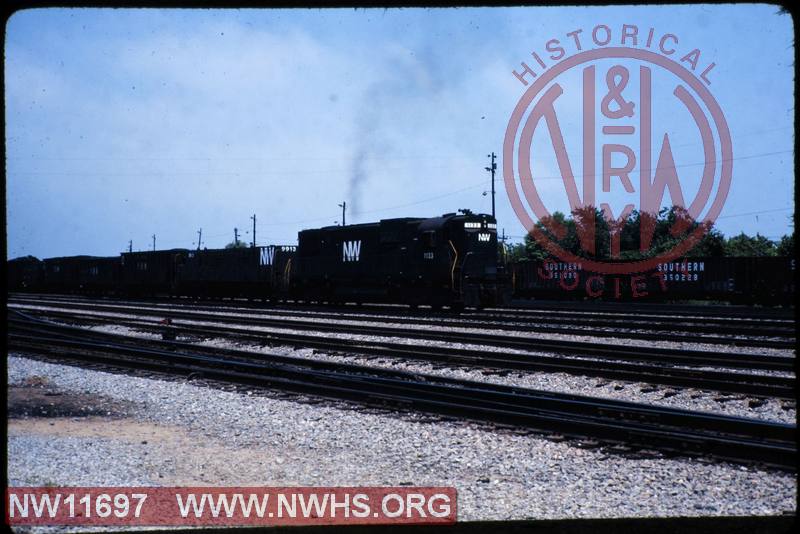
[[443, 261], [151, 273], [89, 274], [762, 280], [24, 274], [99, 274]]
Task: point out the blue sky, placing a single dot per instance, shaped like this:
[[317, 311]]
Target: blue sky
[[123, 123]]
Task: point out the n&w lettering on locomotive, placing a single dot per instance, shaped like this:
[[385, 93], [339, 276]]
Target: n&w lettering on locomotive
[[266, 256], [351, 250]]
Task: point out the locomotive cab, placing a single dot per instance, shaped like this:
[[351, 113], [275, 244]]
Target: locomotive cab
[[476, 278]]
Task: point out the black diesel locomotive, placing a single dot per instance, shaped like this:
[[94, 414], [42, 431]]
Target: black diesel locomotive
[[450, 260]]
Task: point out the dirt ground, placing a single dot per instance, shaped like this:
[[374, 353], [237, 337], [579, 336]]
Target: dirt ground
[[36, 397], [170, 455]]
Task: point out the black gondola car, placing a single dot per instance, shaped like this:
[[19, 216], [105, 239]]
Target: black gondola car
[[762, 280], [24, 274], [63, 275], [259, 272], [149, 273], [449, 260], [99, 274], [767, 280]]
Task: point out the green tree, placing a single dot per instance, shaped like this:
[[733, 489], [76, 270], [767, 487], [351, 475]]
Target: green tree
[[744, 245], [712, 244], [234, 244], [786, 246], [667, 229]]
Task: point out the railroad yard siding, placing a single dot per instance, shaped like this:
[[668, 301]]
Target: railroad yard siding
[[174, 433], [739, 405], [580, 335], [732, 404]]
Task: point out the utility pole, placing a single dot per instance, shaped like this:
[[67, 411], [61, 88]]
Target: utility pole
[[254, 230], [130, 245], [199, 238], [343, 205], [154, 242], [504, 247], [236, 236], [492, 169]]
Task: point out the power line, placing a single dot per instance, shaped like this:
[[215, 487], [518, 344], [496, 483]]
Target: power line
[[159, 173], [692, 143], [415, 157], [754, 213], [451, 193], [639, 171]]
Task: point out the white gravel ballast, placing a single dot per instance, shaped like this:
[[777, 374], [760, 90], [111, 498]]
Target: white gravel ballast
[[179, 433]]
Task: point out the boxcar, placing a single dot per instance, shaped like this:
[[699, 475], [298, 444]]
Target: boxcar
[[259, 272], [151, 272]]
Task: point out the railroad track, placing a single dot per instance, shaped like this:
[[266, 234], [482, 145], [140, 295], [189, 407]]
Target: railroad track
[[611, 422], [651, 372], [527, 343], [643, 328], [630, 308], [103, 305], [715, 314]]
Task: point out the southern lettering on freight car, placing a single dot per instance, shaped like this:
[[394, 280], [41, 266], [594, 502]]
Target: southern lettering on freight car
[[682, 271], [683, 266]]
